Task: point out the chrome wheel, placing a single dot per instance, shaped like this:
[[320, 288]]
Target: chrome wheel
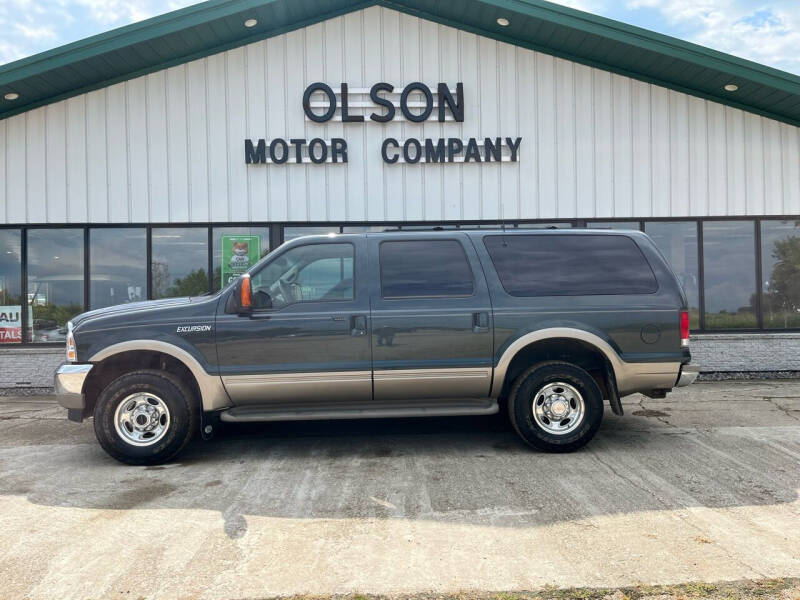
[[141, 419], [558, 408]]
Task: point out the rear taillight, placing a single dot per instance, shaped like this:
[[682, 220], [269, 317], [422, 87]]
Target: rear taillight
[[684, 328]]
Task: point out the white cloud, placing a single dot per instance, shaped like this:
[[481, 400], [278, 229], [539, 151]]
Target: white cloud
[[35, 33]]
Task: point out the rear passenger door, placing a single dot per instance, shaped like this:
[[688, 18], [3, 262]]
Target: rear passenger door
[[431, 318]]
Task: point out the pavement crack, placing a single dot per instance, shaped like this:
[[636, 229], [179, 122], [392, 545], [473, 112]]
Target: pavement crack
[[788, 412]]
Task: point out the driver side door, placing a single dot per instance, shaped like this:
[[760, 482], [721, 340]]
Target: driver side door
[[307, 338]]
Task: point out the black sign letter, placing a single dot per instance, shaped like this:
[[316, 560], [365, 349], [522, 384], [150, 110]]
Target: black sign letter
[[298, 149], [345, 109], [423, 116], [386, 143], [456, 106], [323, 156], [513, 145], [434, 154], [326, 89], [454, 146], [273, 156], [373, 94], [257, 155], [338, 149]]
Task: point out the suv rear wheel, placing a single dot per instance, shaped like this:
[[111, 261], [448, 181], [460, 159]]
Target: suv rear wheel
[[145, 417], [555, 406]]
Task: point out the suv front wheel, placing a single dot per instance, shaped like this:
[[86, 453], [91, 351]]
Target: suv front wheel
[[555, 406], [145, 417]]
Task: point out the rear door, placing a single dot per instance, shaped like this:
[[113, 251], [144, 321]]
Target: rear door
[[431, 318]]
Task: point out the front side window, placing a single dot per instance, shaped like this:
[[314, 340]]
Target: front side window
[[55, 281], [425, 268], [570, 265], [312, 273]]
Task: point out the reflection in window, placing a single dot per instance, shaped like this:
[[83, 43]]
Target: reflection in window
[[10, 294], [543, 226], [55, 281], [311, 273], [180, 261], [677, 241], [233, 262], [729, 265], [290, 233], [613, 225], [425, 268], [117, 266], [780, 267]]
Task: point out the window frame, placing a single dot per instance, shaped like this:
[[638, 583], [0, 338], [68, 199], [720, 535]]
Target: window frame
[[438, 296], [287, 250]]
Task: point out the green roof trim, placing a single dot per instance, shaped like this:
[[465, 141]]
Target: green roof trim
[[217, 25]]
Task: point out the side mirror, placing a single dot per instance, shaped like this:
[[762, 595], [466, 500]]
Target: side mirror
[[242, 296]]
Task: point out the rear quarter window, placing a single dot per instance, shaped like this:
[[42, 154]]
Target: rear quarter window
[[570, 265]]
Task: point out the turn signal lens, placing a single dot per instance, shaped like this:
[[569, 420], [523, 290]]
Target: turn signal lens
[[72, 354], [246, 295], [684, 328]]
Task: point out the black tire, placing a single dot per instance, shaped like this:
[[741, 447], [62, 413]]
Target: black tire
[[182, 423], [521, 406]]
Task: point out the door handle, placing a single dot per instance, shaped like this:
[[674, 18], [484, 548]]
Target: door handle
[[480, 322], [358, 325]]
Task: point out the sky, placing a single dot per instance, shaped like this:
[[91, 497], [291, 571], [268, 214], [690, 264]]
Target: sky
[[766, 31]]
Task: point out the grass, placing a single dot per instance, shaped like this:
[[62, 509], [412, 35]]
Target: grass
[[767, 589]]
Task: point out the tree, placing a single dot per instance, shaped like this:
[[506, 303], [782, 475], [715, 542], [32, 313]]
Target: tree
[[783, 289]]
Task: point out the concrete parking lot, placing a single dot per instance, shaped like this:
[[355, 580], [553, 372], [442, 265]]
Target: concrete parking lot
[[702, 486]]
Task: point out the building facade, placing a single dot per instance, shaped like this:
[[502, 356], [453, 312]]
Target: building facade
[[118, 185]]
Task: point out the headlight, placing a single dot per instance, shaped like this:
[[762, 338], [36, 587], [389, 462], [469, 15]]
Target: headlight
[[72, 354]]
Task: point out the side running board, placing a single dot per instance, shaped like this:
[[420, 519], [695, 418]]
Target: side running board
[[300, 411]]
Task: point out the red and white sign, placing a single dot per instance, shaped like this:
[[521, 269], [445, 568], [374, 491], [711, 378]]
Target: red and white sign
[[10, 324]]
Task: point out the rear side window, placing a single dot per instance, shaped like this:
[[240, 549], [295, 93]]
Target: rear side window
[[570, 265], [424, 268]]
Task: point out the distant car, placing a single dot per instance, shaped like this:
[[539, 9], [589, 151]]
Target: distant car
[[396, 324], [48, 331]]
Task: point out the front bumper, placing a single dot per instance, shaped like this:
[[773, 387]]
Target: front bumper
[[687, 375], [69, 385]]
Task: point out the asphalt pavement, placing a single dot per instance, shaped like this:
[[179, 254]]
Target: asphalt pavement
[[700, 487]]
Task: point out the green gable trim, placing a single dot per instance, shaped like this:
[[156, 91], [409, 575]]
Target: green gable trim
[[217, 25]]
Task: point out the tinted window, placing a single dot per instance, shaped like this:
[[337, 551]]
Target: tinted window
[[570, 265], [412, 269], [780, 264], [180, 261], [10, 295], [55, 280], [729, 265], [677, 241], [117, 266]]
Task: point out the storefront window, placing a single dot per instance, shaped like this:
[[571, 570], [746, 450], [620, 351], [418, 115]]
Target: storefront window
[[55, 281], [613, 225], [290, 233], [242, 246], [179, 261], [677, 241], [117, 266], [780, 268], [10, 293], [729, 266], [561, 225]]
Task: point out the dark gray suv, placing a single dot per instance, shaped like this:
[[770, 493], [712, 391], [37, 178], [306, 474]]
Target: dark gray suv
[[399, 324]]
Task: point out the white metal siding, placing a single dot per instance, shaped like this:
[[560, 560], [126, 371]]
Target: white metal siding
[[168, 147]]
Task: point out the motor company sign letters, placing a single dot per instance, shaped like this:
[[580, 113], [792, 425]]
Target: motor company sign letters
[[417, 103]]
